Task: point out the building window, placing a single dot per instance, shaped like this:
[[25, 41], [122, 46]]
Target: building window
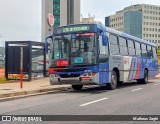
[[145, 6], [156, 24]]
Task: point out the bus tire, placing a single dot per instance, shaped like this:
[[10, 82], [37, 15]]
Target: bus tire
[[77, 87], [145, 79], [113, 84]]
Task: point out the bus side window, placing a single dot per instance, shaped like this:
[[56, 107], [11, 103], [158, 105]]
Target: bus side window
[[138, 49], [131, 48], [149, 52], [123, 46], [154, 53], [114, 44], [144, 50]]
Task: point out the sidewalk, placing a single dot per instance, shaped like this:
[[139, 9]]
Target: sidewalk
[[41, 85]]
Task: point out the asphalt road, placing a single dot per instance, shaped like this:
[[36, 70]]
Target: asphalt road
[[128, 99]]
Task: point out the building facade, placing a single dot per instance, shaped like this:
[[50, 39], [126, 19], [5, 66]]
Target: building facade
[[64, 11], [90, 20], [141, 20]]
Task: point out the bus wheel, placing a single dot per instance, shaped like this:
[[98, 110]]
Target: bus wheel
[[77, 87], [113, 84], [145, 79]]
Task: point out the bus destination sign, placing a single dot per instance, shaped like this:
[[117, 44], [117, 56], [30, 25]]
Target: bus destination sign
[[77, 28]]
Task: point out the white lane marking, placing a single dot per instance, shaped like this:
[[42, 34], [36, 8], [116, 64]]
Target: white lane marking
[[93, 101], [156, 84], [137, 89]]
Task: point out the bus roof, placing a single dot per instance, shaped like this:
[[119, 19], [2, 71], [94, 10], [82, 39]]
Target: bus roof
[[111, 30]]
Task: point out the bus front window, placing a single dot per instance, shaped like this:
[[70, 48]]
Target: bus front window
[[83, 49], [60, 47]]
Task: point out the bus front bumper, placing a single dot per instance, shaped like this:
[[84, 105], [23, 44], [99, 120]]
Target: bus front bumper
[[72, 80]]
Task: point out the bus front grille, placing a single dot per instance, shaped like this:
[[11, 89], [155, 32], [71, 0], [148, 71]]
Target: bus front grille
[[69, 75]]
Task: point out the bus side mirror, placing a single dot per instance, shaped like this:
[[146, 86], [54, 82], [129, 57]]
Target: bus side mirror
[[46, 47], [46, 42], [104, 40]]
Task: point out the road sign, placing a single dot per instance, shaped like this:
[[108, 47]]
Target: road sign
[[50, 19]]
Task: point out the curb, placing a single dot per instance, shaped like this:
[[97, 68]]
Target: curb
[[23, 94]]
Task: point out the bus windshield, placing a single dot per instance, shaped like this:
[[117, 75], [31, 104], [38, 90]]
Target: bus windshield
[[60, 47], [83, 48], [77, 49]]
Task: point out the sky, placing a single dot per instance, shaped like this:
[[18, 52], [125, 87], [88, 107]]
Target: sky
[[102, 8], [21, 19]]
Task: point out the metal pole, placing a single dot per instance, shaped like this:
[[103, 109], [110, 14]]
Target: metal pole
[[6, 60], [21, 67]]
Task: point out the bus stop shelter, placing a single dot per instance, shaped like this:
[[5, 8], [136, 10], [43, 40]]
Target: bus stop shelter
[[34, 59]]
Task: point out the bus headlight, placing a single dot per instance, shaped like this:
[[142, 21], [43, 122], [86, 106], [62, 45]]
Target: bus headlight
[[89, 74]]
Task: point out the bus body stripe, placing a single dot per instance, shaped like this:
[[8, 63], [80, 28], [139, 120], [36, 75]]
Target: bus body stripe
[[138, 69], [135, 68], [130, 72]]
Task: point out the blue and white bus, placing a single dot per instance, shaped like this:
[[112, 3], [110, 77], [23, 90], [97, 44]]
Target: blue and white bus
[[94, 54]]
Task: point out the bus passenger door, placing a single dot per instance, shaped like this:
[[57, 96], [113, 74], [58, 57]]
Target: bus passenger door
[[103, 62]]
